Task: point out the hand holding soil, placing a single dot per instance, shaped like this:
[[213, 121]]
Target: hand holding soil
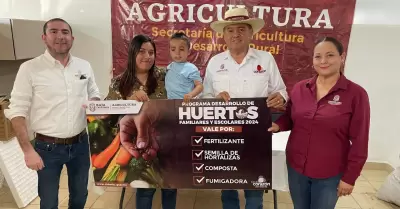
[[138, 134]]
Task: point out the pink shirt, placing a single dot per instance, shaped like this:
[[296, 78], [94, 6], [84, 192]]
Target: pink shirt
[[328, 137]]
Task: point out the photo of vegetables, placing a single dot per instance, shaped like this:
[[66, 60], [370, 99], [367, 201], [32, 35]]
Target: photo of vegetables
[[112, 164]]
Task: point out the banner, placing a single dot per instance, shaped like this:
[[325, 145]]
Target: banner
[[206, 144], [289, 34]]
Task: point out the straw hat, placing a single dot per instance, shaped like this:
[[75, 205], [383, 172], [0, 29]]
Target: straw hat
[[238, 16]]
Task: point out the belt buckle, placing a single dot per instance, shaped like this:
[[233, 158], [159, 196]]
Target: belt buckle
[[62, 141]]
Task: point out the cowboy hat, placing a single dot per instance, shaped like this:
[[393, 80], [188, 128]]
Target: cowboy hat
[[238, 16]]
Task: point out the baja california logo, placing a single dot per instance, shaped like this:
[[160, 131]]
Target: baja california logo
[[92, 107]]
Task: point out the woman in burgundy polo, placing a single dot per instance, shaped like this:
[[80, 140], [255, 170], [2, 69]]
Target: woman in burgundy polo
[[329, 118]]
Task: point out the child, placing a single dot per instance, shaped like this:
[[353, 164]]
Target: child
[[183, 79]]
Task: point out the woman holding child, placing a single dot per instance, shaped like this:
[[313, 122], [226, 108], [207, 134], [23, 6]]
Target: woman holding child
[[142, 81]]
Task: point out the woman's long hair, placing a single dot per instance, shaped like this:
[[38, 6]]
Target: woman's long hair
[[128, 78]]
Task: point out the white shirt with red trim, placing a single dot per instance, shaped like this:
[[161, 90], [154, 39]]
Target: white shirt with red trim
[[257, 76]]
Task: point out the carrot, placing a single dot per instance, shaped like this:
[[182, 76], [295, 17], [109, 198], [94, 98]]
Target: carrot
[[94, 157], [91, 118], [111, 170], [124, 157], [114, 172], [121, 175], [102, 159]]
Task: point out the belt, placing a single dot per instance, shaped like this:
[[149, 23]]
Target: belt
[[55, 140]]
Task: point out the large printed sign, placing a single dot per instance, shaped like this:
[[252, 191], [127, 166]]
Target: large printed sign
[[291, 29], [206, 144]]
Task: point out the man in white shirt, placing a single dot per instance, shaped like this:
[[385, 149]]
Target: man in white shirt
[[243, 72], [50, 90]]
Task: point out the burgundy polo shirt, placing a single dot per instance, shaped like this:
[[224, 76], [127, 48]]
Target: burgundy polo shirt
[[330, 136]]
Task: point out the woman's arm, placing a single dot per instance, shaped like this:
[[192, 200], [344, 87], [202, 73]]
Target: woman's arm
[[359, 137], [160, 92]]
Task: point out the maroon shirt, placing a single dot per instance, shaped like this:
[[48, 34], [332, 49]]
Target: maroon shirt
[[330, 136]]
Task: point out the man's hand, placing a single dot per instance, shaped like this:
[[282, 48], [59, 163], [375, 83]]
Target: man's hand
[[33, 160], [91, 99], [94, 99], [274, 128], [187, 98], [224, 95], [344, 189], [275, 100], [140, 127]]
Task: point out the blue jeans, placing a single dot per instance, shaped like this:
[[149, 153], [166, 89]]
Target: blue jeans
[[144, 198], [309, 193], [54, 156], [230, 199]]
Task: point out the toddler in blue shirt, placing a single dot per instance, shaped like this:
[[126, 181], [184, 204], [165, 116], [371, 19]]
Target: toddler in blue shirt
[[183, 79]]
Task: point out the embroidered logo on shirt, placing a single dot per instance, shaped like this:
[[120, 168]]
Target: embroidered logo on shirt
[[222, 69], [259, 69], [335, 100]]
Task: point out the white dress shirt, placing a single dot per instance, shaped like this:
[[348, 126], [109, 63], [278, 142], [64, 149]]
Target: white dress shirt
[[257, 76], [52, 95]]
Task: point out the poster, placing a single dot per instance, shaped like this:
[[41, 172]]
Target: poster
[[207, 144], [292, 27]]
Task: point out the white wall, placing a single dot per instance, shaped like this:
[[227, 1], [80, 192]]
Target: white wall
[[372, 58], [91, 25], [372, 62]]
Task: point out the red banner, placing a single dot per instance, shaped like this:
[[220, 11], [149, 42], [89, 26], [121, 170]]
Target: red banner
[[292, 27]]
